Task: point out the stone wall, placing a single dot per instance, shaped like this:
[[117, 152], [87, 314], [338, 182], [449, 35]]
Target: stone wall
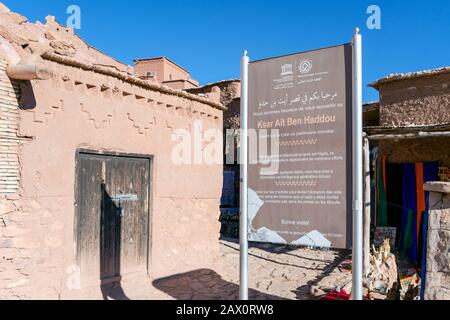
[[423, 101], [438, 245], [416, 101], [230, 94]]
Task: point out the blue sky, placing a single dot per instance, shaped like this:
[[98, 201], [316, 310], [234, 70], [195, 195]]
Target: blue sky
[[207, 36]]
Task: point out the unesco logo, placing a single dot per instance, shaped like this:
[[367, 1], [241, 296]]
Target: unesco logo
[[305, 66]]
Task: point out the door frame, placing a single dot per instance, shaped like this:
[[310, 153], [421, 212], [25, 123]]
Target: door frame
[[150, 159]]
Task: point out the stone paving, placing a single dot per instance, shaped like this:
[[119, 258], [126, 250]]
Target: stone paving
[[278, 271], [275, 273]]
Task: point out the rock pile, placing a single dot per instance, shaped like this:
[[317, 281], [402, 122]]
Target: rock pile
[[383, 275]]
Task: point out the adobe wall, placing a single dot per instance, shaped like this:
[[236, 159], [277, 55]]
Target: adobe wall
[[164, 70], [85, 109], [173, 72], [422, 101], [142, 67], [9, 142], [417, 150]]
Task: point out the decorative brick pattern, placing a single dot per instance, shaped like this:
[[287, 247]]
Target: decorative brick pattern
[[9, 140]]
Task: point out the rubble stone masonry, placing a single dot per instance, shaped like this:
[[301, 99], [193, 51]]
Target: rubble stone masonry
[[438, 250], [415, 102], [420, 101]]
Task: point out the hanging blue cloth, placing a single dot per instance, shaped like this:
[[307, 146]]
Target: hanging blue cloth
[[409, 206], [408, 182], [404, 209], [423, 272], [430, 173]]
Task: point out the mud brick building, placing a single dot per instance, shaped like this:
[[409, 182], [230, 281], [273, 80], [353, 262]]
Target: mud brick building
[[413, 103], [89, 193], [230, 97], [409, 131]]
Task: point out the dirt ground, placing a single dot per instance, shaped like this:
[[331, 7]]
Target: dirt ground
[[275, 273]]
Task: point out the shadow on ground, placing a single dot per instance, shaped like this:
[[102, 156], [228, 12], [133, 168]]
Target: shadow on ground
[[204, 284], [113, 291], [279, 249], [275, 248], [304, 292]]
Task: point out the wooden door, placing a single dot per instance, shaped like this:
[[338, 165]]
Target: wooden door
[[113, 208]]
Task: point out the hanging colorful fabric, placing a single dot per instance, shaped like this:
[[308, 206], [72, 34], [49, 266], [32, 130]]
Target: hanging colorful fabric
[[409, 212], [420, 194], [405, 178], [407, 235]]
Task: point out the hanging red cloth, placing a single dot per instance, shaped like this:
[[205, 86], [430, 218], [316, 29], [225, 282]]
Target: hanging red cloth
[[341, 295], [335, 295], [420, 197]]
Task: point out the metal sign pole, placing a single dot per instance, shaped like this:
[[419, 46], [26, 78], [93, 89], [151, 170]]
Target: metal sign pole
[[243, 219], [357, 258]]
